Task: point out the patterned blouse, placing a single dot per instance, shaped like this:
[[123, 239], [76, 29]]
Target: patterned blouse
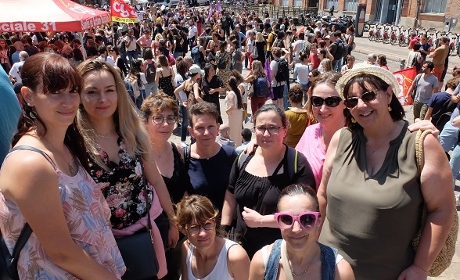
[[87, 216], [122, 187]]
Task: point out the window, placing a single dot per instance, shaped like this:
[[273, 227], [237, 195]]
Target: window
[[330, 3], [298, 3], [435, 6], [351, 5], [284, 3]]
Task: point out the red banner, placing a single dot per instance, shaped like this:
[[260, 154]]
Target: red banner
[[48, 16], [122, 12], [405, 78]]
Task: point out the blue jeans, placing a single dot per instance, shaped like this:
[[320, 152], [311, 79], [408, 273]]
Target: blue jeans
[[337, 65], [131, 55], [455, 162], [285, 97], [448, 137], [184, 125], [151, 88], [140, 99]]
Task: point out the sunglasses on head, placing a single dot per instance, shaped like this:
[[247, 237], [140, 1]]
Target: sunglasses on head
[[307, 219], [366, 97], [331, 101]]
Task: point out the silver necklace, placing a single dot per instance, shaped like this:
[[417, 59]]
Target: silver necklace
[[305, 271], [73, 167]]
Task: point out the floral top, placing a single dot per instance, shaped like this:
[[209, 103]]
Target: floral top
[[123, 186], [87, 216]]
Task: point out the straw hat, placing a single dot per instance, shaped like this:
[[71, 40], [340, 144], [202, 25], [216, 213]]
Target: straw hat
[[364, 68]]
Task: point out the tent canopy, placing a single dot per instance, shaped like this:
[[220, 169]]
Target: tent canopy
[[48, 15]]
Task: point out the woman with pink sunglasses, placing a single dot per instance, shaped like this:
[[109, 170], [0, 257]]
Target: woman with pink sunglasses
[[298, 255]]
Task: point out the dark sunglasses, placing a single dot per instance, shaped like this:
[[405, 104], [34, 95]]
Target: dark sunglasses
[[306, 219], [366, 97], [331, 101]]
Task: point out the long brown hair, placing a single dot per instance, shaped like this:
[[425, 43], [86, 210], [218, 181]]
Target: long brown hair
[[54, 73]]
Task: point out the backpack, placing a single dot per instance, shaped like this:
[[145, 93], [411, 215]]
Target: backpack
[[306, 47], [222, 62], [150, 72], [415, 63], [441, 117], [292, 157], [282, 75], [134, 85], [261, 87], [196, 55], [340, 51], [224, 22], [121, 45]]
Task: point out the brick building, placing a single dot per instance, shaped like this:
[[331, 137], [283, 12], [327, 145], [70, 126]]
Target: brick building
[[439, 14]]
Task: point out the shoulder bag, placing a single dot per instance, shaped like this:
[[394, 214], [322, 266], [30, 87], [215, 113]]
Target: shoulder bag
[[444, 257], [137, 250]]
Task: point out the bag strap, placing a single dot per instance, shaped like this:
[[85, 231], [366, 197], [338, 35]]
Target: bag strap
[[187, 154], [285, 262], [26, 231], [11, 261], [419, 138], [146, 195]]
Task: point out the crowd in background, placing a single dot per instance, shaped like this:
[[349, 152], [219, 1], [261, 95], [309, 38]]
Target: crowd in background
[[97, 110]]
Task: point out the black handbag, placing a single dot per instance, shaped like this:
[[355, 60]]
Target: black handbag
[[8, 262], [137, 250]]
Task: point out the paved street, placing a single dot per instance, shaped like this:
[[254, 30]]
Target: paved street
[[393, 54]]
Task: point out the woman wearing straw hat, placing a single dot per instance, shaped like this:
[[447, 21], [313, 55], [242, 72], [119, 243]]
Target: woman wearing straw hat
[[372, 190]]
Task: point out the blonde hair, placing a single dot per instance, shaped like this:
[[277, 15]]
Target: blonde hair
[[126, 117], [257, 69], [158, 37], [327, 64], [259, 37]]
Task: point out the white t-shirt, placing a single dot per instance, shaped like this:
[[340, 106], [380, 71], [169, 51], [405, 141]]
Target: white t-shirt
[[14, 71], [192, 32], [302, 73], [273, 70]]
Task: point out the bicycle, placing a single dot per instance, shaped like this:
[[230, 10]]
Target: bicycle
[[393, 35], [371, 32], [378, 34], [402, 37], [385, 35]]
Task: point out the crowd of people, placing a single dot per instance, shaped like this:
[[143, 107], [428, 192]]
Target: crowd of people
[[329, 178]]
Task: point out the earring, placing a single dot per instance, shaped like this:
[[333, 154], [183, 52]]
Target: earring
[[28, 104], [389, 108], [353, 120], [33, 114]]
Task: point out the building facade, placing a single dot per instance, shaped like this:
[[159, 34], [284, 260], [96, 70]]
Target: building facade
[[438, 14]]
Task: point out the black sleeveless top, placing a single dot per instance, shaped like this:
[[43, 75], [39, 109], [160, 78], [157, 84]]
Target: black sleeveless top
[[180, 181]]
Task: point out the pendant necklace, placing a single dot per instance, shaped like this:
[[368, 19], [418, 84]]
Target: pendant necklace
[[73, 168], [305, 271]]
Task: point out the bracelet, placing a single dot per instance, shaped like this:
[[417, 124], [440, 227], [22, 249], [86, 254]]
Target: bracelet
[[426, 273]]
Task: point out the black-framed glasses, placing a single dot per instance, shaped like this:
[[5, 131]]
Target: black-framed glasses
[[195, 229], [272, 129], [159, 119], [331, 101], [306, 219], [366, 97]]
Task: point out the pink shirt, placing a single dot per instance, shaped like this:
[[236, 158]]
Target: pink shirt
[[312, 147]]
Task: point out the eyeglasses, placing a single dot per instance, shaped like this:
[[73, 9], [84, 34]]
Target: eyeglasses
[[195, 229], [306, 219], [272, 129], [366, 97], [331, 101], [160, 119]]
